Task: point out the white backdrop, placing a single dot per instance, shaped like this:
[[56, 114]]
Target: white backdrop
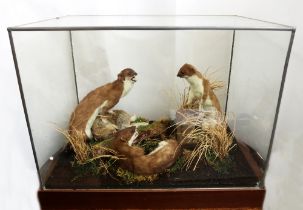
[[19, 182], [156, 56]]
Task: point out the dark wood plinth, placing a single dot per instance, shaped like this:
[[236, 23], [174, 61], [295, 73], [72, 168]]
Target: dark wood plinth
[[151, 199]]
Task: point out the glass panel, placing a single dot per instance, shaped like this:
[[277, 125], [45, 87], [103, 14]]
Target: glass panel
[[46, 70], [157, 21], [58, 67], [156, 56], [258, 64]]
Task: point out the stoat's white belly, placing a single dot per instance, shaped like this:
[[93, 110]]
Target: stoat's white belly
[[133, 138], [196, 87], [197, 90], [127, 86], [161, 145], [92, 118]]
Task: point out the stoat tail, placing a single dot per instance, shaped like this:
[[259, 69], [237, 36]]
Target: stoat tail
[[76, 130], [209, 97]]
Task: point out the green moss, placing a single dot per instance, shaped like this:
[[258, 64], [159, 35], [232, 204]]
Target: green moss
[[129, 177], [144, 128], [177, 166], [92, 168], [140, 119], [148, 145], [150, 126], [223, 166], [92, 141], [96, 167]]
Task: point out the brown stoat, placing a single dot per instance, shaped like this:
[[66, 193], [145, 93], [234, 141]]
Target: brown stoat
[[100, 100], [199, 87], [134, 159]]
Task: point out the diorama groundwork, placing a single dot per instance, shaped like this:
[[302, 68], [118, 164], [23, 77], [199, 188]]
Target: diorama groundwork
[[101, 169]]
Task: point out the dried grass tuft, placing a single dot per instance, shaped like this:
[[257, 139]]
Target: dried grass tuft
[[216, 84], [83, 152], [196, 103], [209, 138], [77, 140], [206, 129]]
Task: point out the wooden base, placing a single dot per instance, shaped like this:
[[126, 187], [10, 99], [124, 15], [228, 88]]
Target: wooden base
[[152, 199]]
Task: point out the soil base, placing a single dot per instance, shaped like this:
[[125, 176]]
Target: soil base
[[245, 171]]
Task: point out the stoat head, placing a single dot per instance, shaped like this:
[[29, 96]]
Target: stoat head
[[127, 74], [127, 135], [187, 70]]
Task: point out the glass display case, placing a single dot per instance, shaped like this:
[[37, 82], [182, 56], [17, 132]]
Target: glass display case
[[151, 111]]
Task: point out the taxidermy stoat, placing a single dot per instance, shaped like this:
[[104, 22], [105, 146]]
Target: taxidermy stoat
[[199, 87], [100, 100], [134, 159]]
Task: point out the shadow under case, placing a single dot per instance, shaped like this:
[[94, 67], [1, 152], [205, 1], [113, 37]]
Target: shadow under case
[[222, 151]]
